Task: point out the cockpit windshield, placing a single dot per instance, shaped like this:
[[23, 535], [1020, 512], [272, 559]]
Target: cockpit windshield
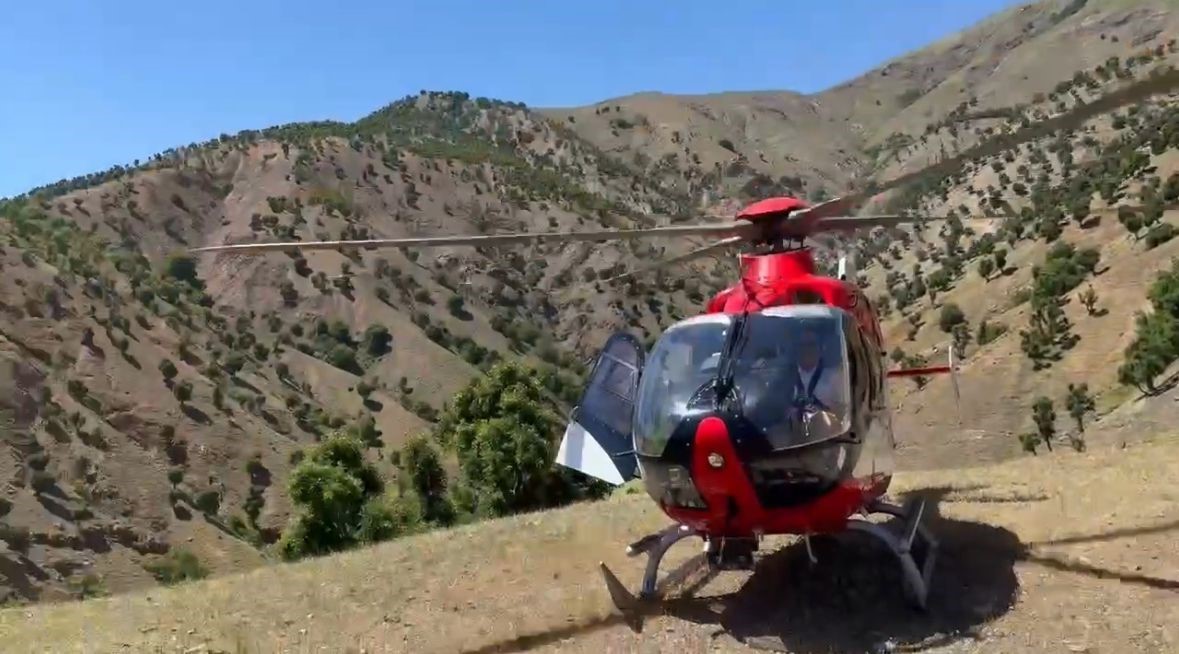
[[792, 377], [683, 360], [787, 373]]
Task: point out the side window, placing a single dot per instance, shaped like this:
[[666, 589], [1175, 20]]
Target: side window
[[861, 375], [876, 381]]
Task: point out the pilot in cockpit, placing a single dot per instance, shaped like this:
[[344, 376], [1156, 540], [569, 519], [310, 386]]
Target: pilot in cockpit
[[819, 382]]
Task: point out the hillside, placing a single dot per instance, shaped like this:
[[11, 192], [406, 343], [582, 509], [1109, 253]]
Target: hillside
[[157, 404], [1037, 556]]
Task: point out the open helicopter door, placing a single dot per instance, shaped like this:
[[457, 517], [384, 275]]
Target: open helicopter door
[[598, 439]]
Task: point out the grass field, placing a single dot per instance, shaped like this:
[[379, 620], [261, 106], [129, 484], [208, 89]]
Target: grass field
[[1062, 552]]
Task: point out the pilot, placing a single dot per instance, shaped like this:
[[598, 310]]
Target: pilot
[[820, 382]]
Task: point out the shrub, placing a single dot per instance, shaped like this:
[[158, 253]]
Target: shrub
[[177, 566], [208, 502], [950, 316], [339, 501]]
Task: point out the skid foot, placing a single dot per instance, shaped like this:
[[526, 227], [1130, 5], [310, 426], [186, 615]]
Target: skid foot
[[655, 547], [914, 547]]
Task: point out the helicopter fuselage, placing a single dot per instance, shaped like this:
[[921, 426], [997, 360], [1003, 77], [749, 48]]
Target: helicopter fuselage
[[744, 488]]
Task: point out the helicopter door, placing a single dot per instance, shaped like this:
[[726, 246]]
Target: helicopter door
[[598, 440]]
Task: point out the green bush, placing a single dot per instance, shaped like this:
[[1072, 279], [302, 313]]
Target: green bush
[[177, 566], [950, 316], [339, 501], [502, 429]]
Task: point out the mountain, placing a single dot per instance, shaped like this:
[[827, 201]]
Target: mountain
[[157, 403]]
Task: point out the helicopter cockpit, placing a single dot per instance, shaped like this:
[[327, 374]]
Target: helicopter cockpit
[[784, 371]]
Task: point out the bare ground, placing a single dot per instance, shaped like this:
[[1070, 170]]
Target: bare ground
[[1065, 552]]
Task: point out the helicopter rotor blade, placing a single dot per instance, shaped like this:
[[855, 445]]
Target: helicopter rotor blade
[[848, 223], [802, 223], [707, 250], [733, 230]]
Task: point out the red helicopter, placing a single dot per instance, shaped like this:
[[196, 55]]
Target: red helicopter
[[764, 415]]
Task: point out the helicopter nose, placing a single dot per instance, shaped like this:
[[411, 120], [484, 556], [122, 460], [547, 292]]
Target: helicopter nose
[[715, 465]]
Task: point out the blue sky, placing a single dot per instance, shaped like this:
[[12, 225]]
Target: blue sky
[[92, 83]]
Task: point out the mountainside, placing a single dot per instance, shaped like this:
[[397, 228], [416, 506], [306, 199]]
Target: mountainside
[[157, 403]]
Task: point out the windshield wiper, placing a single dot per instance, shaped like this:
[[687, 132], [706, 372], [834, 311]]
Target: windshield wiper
[[726, 366]]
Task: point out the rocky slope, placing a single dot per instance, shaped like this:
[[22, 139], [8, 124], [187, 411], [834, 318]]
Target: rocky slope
[[155, 404]]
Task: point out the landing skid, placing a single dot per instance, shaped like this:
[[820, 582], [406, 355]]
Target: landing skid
[[915, 549]]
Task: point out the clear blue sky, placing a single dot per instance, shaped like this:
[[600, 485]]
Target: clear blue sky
[[92, 83]]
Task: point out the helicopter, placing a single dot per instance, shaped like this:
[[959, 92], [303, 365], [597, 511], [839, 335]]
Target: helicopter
[[722, 419]]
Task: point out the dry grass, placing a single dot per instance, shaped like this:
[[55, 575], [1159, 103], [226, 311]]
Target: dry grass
[[1007, 532]]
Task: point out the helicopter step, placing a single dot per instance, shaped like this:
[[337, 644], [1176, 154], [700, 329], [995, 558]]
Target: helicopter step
[[915, 547], [730, 553]]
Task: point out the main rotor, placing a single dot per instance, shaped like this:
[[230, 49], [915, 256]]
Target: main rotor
[[772, 222]]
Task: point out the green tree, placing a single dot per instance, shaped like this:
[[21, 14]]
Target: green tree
[[986, 266], [455, 305], [503, 431], [339, 502], [1000, 260], [422, 475], [290, 296], [182, 267], [1152, 350], [367, 431], [168, 370], [377, 340], [177, 566], [1079, 402], [962, 337], [950, 316], [183, 391], [1045, 418], [344, 358]]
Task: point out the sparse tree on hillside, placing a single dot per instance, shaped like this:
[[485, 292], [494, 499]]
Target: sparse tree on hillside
[[1080, 403], [290, 296], [1045, 418], [183, 391], [377, 340], [454, 304], [986, 266], [950, 316], [168, 370], [961, 335]]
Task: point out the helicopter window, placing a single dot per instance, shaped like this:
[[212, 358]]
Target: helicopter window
[[684, 359], [861, 382], [610, 393], [792, 375]]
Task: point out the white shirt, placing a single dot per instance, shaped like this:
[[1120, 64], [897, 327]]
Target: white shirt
[[828, 390]]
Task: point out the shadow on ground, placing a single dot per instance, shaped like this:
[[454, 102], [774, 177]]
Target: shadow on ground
[[851, 599]]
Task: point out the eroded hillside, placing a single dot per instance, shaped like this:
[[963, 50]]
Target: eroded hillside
[[155, 404]]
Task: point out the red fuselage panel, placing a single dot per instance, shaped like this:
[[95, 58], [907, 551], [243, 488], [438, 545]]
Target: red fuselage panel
[[770, 280], [734, 509]]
